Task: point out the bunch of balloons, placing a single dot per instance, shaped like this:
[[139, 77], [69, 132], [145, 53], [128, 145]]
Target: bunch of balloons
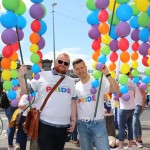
[[11, 19], [38, 27]]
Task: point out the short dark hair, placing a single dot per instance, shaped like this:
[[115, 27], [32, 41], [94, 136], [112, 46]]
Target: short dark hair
[[77, 61]]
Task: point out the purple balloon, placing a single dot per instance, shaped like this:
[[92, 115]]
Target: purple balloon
[[126, 96], [93, 32], [21, 34], [15, 88], [41, 43], [14, 103], [123, 29], [114, 45], [149, 26], [36, 11], [116, 97], [143, 86], [99, 66], [143, 49], [93, 90], [135, 34], [101, 4], [36, 76], [149, 104], [9, 36]]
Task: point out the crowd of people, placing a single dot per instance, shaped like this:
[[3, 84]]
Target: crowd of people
[[69, 109]]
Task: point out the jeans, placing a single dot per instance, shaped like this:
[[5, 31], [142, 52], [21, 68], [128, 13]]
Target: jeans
[[93, 132], [137, 131], [125, 117], [52, 138]]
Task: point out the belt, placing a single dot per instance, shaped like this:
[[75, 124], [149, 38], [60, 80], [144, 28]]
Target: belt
[[86, 120]]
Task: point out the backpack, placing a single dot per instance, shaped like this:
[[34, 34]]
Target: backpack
[[4, 101]]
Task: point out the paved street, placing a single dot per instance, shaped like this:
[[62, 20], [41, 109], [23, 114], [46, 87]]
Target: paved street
[[145, 120]]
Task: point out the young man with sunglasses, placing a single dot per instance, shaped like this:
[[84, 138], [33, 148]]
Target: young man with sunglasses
[[59, 114], [92, 129]]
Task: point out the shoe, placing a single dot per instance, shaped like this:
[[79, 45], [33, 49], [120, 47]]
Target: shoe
[[140, 141], [138, 144], [17, 146], [10, 148], [128, 148]]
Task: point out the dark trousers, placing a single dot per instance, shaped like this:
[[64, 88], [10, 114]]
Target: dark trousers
[[51, 138]]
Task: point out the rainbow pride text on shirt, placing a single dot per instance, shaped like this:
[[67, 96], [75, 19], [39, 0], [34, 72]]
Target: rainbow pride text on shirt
[[59, 89], [87, 99]]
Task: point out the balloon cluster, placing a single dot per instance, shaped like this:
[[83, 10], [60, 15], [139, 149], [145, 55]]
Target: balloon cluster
[[11, 19], [38, 27]]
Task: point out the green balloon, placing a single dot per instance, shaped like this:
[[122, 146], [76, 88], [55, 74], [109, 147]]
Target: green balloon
[[7, 85], [123, 79], [14, 74], [44, 10], [122, 1], [97, 74], [143, 19], [135, 72], [148, 89], [105, 49], [147, 71], [11, 5], [90, 5], [35, 58], [134, 8], [115, 19], [21, 9]]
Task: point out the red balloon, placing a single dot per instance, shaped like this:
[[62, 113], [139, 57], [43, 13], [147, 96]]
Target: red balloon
[[113, 56], [36, 26], [123, 44], [40, 54], [95, 45], [135, 46], [144, 61], [103, 15], [7, 51], [15, 46]]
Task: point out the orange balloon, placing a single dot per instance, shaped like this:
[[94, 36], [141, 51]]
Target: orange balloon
[[14, 56], [5, 63], [34, 38], [149, 51], [103, 28], [124, 57], [95, 55], [134, 56], [112, 66]]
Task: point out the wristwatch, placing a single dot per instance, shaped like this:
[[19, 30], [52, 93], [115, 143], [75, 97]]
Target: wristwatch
[[107, 75]]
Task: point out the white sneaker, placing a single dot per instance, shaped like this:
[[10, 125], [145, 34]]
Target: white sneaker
[[138, 144], [10, 148], [128, 148], [17, 146]]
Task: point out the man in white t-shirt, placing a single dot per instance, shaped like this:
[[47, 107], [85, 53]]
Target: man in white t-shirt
[[91, 129], [59, 114]]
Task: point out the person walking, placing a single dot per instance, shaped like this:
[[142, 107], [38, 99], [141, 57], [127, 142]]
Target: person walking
[[140, 99], [92, 130], [59, 114]]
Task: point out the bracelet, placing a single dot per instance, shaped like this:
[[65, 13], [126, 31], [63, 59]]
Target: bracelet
[[107, 75]]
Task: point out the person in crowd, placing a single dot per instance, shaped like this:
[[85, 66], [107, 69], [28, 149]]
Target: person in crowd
[[140, 99], [92, 130], [59, 114], [126, 111]]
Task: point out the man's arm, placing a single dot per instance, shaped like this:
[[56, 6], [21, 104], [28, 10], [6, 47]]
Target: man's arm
[[143, 98]]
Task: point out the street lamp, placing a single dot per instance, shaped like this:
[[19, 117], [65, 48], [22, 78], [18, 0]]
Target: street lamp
[[53, 5]]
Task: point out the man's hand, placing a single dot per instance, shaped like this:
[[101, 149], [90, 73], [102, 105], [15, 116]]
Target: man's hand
[[22, 71], [72, 126], [105, 70]]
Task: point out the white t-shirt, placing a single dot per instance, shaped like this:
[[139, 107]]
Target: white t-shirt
[[130, 104], [58, 108], [138, 97], [86, 101]]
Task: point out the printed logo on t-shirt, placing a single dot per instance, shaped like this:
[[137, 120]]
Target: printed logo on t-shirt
[[59, 89], [87, 99]]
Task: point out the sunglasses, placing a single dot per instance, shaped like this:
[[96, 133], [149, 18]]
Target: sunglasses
[[63, 62]]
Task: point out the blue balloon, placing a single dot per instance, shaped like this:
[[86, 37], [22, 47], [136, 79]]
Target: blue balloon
[[21, 23], [15, 82], [124, 12], [43, 27], [146, 79], [11, 94], [113, 34], [95, 83], [136, 80], [102, 59], [8, 19], [92, 17], [148, 10], [134, 22], [123, 89], [36, 1], [35, 68], [144, 34]]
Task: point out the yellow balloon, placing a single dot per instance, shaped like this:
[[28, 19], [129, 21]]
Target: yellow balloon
[[106, 39], [116, 104], [148, 61], [6, 74], [13, 65], [113, 74], [134, 64], [142, 5], [125, 68], [94, 64], [111, 5], [34, 48]]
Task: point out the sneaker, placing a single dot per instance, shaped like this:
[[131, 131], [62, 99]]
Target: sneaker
[[138, 144], [128, 148], [10, 148], [17, 146]]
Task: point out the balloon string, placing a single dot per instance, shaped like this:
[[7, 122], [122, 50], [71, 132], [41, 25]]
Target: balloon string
[[99, 89], [25, 77]]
